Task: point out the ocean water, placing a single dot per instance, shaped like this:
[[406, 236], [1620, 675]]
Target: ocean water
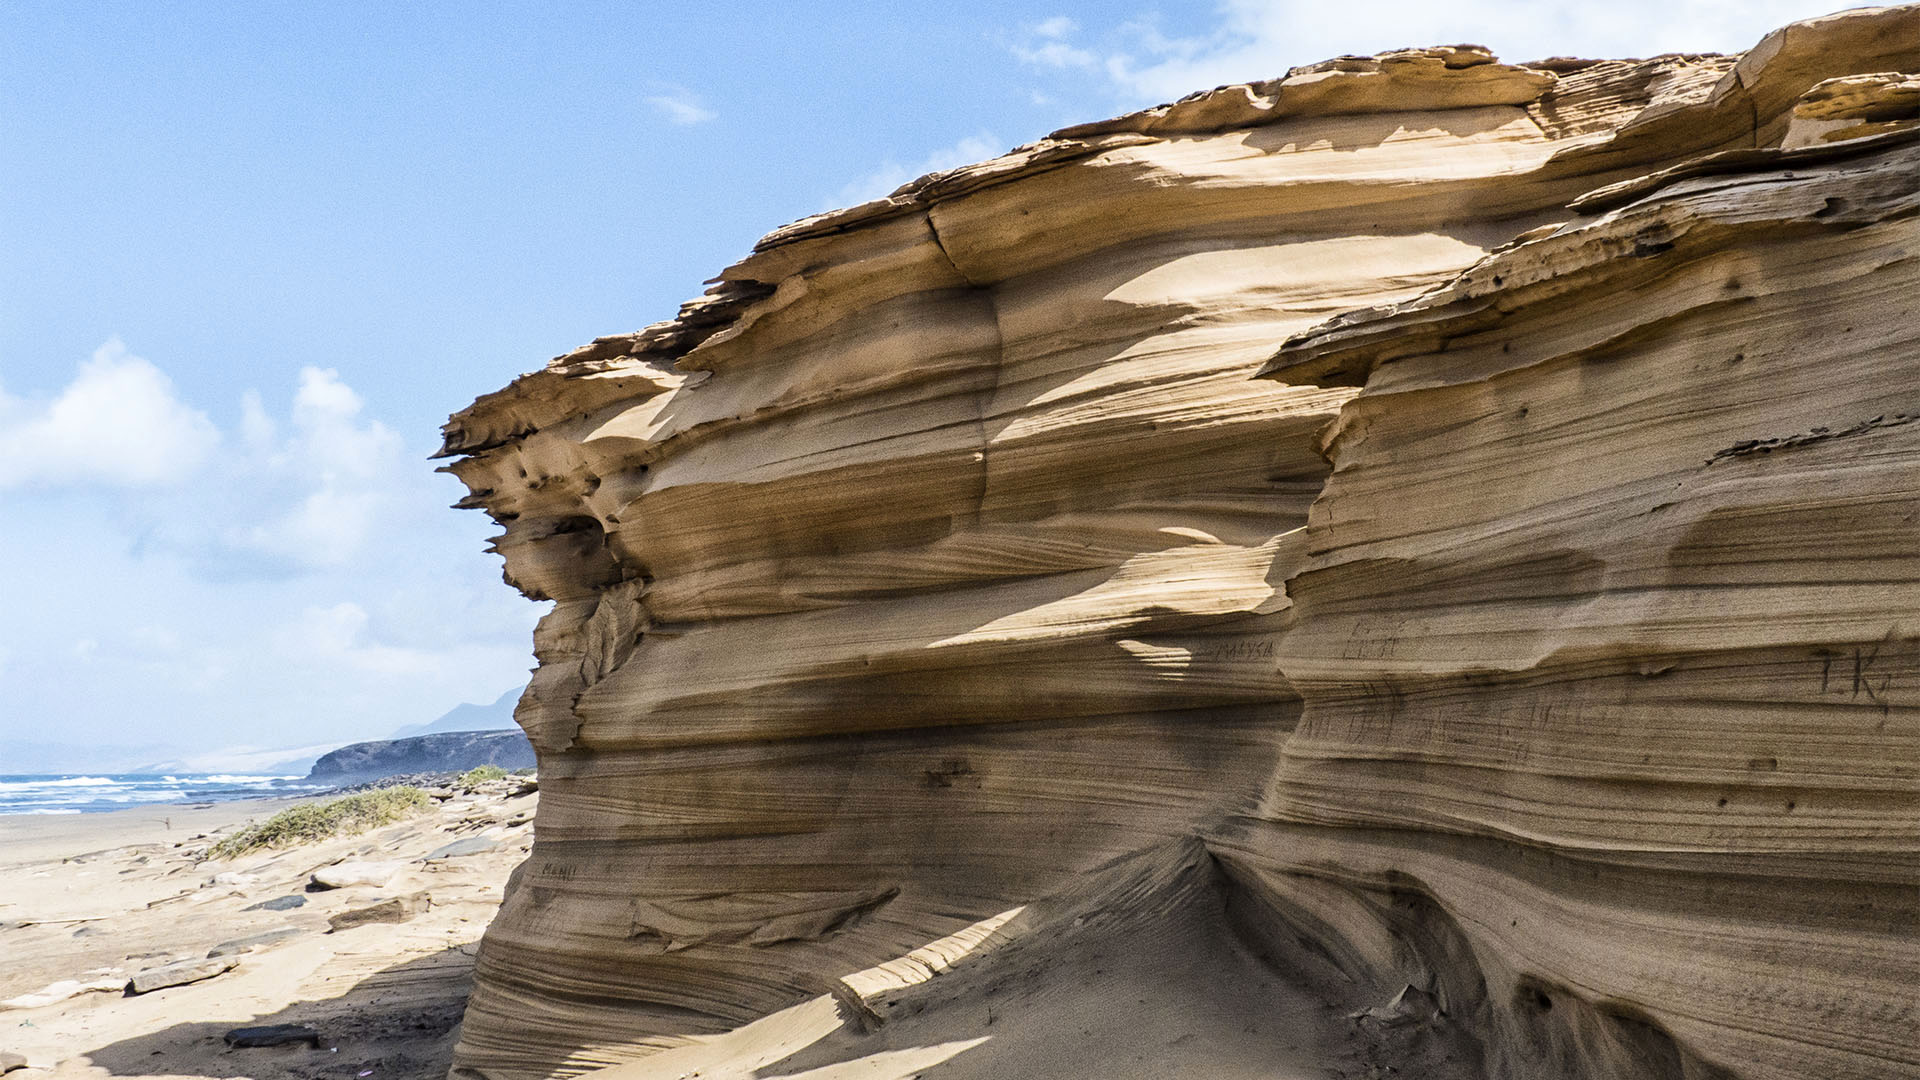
[[76, 793]]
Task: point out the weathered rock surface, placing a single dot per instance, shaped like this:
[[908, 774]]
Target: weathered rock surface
[[239, 946], [399, 909], [461, 848], [1532, 646], [342, 875], [179, 974], [445, 751]]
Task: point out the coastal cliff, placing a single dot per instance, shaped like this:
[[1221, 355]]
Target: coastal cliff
[[440, 751], [1459, 516]]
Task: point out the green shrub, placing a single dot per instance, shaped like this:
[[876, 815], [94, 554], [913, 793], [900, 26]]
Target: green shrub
[[478, 775], [309, 822]]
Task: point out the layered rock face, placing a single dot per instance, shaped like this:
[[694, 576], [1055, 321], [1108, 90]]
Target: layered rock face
[[1476, 501]]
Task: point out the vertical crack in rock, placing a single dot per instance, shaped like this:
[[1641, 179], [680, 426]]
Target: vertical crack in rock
[[988, 392], [1522, 672]]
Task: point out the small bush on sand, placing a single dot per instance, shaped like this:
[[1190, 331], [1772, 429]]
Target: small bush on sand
[[478, 775], [317, 821]]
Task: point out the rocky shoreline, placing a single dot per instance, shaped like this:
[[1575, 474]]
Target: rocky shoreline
[[129, 949]]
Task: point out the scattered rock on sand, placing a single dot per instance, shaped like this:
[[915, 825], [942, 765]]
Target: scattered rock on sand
[[253, 941], [10, 1062], [472, 845], [341, 875], [398, 909], [233, 878], [329, 984], [179, 974], [272, 1035]]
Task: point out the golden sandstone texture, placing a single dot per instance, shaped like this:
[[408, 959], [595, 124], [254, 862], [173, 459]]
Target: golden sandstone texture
[[1455, 523]]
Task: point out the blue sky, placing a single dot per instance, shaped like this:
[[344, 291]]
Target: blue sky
[[251, 255]]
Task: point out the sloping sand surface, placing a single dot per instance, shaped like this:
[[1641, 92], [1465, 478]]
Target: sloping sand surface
[[1137, 972], [94, 899]]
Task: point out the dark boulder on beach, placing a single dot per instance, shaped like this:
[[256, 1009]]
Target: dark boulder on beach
[[248, 1038]]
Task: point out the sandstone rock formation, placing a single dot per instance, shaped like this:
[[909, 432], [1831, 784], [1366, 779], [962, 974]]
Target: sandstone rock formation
[[1474, 502]]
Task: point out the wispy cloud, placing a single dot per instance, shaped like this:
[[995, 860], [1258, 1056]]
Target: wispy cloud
[[1057, 54], [681, 107], [1045, 44], [1059, 26], [890, 174]]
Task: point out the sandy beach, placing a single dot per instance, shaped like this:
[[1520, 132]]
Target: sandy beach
[[90, 903]]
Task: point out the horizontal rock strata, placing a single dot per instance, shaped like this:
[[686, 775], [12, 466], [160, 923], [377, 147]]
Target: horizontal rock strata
[[1516, 600], [1618, 562]]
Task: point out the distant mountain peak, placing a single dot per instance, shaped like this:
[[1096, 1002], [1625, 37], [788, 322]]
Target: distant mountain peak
[[497, 716]]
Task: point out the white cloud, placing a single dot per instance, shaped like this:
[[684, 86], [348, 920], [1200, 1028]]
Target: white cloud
[[257, 429], [323, 400], [1140, 63], [681, 107], [337, 635], [295, 577], [326, 528], [891, 174], [352, 469], [328, 631], [117, 423], [329, 433]]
